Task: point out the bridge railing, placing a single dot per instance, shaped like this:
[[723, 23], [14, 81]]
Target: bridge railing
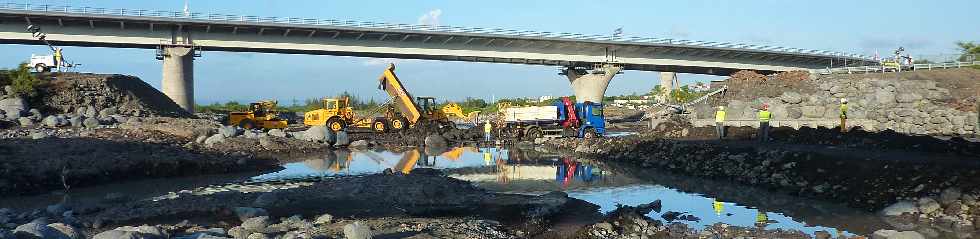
[[451, 29]]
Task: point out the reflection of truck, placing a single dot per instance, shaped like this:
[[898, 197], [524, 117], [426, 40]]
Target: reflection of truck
[[406, 111], [565, 118]]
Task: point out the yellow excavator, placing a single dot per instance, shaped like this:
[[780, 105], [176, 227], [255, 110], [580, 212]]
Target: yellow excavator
[[260, 115]]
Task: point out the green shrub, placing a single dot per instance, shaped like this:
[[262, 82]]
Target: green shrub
[[24, 83]]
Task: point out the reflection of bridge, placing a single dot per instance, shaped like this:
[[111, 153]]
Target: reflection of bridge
[[177, 35]]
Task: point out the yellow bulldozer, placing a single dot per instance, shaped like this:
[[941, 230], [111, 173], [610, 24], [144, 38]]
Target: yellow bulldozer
[[260, 115]]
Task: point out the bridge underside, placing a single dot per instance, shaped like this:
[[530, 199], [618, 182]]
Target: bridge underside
[[590, 63]]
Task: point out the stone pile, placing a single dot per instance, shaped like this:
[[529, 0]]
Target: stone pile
[[905, 106]]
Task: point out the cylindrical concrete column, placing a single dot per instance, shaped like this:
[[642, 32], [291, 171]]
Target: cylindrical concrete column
[[668, 83], [178, 76]]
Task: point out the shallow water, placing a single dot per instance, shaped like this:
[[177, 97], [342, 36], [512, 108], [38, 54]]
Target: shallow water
[[531, 172], [528, 172]]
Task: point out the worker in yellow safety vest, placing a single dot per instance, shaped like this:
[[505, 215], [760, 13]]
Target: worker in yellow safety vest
[[764, 117], [843, 115], [761, 219], [486, 130], [720, 122], [718, 206], [57, 58]]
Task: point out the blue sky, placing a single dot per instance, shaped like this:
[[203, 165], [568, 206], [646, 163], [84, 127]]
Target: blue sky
[[849, 26]]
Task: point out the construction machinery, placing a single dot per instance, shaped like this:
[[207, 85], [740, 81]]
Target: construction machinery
[[454, 111], [260, 115], [337, 115], [404, 111]]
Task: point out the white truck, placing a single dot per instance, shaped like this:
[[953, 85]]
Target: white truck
[[43, 63]]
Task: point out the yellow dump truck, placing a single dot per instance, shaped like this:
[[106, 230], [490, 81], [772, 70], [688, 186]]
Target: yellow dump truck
[[260, 115], [406, 111]]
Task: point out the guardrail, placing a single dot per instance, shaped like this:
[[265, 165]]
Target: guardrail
[[396, 26], [882, 68]]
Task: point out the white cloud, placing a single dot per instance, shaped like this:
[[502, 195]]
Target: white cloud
[[431, 18]]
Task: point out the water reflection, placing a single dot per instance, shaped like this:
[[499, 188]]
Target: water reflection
[[527, 171]]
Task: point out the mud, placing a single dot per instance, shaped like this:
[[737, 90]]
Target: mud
[[110, 155]]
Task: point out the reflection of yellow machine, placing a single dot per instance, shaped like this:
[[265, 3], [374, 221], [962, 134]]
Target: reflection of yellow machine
[[337, 115], [407, 163], [261, 115], [457, 152]]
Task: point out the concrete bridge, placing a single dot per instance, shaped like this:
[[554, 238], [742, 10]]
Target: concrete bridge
[[589, 61]]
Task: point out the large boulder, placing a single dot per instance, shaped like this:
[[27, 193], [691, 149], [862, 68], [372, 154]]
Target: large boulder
[[77, 121], [229, 131], [277, 133], [813, 111], [900, 208], [25, 121], [892, 234], [907, 98], [319, 134], [436, 140], [16, 104], [884, 97], [118, 234], [91, 123], [37, 230], [357, 230], [256, 224], [790, 97], [949, 195], [53, 121], [794, 113], [107, 112], [214, 139], [67, 230]]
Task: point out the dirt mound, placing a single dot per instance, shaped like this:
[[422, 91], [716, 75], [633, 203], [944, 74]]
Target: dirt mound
[[749, 85], [127, 95]]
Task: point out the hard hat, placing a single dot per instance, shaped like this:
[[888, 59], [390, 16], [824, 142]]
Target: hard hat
[[721, 107], [843, 100]]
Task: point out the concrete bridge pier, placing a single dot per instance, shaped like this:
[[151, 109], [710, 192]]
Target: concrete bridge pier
[[668, 83], [591, 86], [178, 75]]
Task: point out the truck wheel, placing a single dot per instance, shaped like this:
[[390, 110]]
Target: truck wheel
[[590, 134], [533, 133], [246, 124], [40, 67], [336, 124], [379, 126], [398, 124]]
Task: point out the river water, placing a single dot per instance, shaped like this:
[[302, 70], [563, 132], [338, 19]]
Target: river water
[[528, 171], [531, 172]]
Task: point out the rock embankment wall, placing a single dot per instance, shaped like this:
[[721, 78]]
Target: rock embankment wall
[[876, 102]]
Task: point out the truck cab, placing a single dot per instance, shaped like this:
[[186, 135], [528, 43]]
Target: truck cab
[[593, 122]]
